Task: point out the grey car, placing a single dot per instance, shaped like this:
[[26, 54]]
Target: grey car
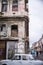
[[22, 59]]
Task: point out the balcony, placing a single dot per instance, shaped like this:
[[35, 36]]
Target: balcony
[[21, 14], [14, 14]]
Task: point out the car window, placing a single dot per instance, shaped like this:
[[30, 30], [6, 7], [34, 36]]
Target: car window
[[17, 57], [24, 58]]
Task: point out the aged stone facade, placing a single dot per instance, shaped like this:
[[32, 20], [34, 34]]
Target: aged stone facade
[[14, 26]]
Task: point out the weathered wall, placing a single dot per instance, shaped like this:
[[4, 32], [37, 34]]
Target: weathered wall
[[21, 7], [21, 28]]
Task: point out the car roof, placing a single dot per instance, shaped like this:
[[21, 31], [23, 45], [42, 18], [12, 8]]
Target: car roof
[[24, 54]]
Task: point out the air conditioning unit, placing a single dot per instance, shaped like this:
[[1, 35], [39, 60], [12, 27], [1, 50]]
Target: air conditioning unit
[[3, 34]]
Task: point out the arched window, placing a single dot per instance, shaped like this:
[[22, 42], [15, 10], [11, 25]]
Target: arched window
[[4, 5], [15, 5]]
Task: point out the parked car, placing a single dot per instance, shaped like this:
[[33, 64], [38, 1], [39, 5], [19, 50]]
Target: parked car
[[22, 59]]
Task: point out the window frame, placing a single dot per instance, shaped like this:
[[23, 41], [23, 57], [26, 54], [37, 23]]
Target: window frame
[[15, 5], [1, 27], [4, 6], [14, 29]]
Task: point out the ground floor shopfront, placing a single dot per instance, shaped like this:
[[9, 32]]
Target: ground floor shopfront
[[10, 47]]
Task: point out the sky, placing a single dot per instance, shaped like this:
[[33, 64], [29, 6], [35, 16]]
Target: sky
[[36, 20]]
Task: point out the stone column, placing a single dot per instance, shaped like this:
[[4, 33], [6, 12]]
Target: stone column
[[9, 31], [10, 7], [7, 50], [21, 46]]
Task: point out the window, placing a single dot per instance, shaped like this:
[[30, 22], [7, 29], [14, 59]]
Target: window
[[3, 30], [14, 30], [2, 27], [17, 57], [15, 5], [24, 57], [4, 5], [26, 1], [26, 5]]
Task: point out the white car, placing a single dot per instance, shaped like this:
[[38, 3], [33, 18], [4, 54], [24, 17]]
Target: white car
[[22, 59]]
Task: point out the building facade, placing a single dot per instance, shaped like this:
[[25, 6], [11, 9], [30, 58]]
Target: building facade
[[14, 28], [38, 47]]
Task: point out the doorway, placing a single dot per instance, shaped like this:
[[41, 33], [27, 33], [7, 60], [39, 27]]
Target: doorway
[[12, 48], [2, 50]]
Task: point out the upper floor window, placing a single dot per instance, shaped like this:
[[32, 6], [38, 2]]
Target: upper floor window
[[3, 30], [26, 5], [15, 5], [26, 1], [14, 30], [4, 5]]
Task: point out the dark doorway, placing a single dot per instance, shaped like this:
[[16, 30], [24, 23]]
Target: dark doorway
[[2, 50]]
